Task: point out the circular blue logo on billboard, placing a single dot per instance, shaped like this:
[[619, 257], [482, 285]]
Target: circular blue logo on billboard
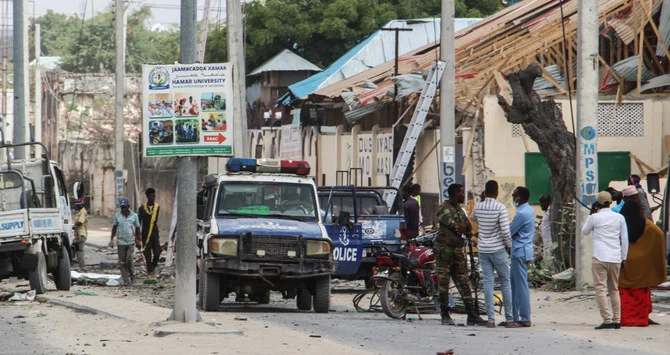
[[588, 133], [159, 79]]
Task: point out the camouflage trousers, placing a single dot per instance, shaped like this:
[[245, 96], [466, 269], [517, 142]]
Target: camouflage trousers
[[451, 263]]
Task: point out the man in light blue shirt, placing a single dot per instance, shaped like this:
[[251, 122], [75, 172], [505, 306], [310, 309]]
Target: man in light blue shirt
[[522, 230], [126, 227]]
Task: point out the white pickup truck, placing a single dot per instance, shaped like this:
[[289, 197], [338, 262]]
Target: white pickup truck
[[35, 221]]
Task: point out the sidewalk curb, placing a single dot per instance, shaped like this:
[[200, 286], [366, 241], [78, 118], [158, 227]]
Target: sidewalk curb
[[79, 308], [163, 333]]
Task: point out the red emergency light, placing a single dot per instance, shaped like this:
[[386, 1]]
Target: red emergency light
[[298, 167]]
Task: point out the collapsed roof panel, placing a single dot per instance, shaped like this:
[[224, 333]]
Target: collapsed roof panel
[[664, 28]]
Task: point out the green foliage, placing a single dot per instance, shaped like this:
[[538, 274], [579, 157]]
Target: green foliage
[[319, 30], [88, 46]]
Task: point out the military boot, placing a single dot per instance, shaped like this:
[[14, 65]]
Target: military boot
[[473, 317], [446, 318]]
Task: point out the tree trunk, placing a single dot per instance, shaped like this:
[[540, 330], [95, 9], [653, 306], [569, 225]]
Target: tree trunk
[[543, 123]]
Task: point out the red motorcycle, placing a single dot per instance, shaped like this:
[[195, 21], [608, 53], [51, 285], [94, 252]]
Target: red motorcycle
[[407, 279]]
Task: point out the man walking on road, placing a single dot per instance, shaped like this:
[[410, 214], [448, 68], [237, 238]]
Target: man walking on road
[[451, 262], [522, 230], [151, 246], [494, 246], [610, 248], [80, 232], [126, 226]]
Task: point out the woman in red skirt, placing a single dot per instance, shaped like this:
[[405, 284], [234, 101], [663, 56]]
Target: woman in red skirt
[[644, 266]]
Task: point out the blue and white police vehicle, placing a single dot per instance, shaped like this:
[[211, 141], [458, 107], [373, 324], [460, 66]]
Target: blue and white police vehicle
[[260, 228]]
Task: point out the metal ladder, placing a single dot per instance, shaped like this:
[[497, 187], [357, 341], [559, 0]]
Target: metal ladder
[[415, 129]]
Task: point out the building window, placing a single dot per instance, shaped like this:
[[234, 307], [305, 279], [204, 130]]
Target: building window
[[621, 120]]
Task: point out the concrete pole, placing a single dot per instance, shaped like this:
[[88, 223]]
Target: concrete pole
[[120, 32], [185, 310], [38, 91], [19, 79], [587, 149], [447, 152], [26, 77], [236, 59]]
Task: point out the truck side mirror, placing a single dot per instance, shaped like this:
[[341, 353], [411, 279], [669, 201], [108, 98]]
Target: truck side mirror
[[200, 211], [653, 185], [78, 190]]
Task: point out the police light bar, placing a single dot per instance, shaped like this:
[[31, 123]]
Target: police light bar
[[298, 167]]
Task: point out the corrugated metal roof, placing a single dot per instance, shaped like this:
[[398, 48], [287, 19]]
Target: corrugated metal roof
[[657, 82], [543, 86], [377, 49], [627, 69], [285, 60]]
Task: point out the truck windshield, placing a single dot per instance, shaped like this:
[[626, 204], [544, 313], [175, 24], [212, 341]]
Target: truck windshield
[[267, 199]]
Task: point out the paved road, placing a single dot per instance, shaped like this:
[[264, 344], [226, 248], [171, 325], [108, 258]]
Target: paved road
[[379, 334], [21, 328]]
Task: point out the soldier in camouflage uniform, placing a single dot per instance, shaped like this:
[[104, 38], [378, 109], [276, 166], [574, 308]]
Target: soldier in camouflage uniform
[[451, 261]]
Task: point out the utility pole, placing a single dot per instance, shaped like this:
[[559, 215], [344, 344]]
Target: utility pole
[[204, 29], [120, 31], [587, 135], [38, 91], [236, 59], [185, 310], [447, 152], [397, 30], [19, 78]]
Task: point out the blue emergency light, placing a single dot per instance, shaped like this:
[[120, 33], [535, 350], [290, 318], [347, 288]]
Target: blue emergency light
[[298, 167]]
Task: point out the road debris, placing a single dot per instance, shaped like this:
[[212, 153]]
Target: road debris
[[26, 296]]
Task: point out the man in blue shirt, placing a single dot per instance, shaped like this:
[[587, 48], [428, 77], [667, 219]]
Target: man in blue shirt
[[522, 230], [126, 227]]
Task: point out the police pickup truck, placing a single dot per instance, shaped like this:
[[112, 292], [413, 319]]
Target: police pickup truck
[[260, 229], [35, 221], [371, 222]]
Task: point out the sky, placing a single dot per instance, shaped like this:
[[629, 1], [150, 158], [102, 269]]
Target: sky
[[164, 11]]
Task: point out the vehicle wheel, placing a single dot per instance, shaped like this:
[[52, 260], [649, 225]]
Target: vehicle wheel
[[211, 292], [392, 302], [262, 298], [322, 294], [304, 299], [38, 277], [62, 276]]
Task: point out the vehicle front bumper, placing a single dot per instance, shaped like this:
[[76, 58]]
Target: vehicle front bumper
[[298, 269]]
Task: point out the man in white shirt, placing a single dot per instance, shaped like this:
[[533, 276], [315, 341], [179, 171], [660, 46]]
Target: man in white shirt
[[610, 247], [545, 228], [494, 247]]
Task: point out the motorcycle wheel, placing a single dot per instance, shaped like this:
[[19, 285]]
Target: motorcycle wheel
[[392, 303]]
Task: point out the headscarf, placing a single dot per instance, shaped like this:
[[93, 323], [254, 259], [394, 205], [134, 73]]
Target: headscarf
[[635, 220], [630, 190], [635, 181]]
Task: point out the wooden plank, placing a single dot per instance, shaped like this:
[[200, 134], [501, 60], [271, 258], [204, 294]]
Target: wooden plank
[[616, 77], [639, 62], [551, 80], [653, 56], [653, 27], [505, 89]]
